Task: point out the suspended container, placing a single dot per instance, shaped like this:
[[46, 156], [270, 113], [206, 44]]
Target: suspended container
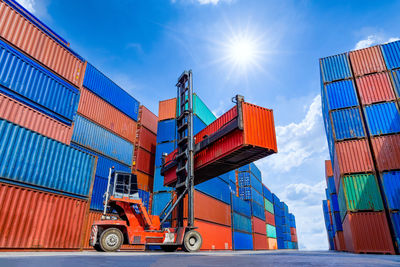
[[375, 88], [367, 60], [387, 152]]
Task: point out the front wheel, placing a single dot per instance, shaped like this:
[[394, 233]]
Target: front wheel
[[192, 241], [111, 239]]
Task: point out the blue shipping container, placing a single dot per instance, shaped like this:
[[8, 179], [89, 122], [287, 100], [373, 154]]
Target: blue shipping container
[[331, 185], [391, 186], [341, 95], [99, 188], [396, 80], [248, 179], [105, 88], [275, 199], [31, 158], [158, 184], [166, 131], [232, 187], [161, 149], [216, 188], [391, 54], [90, 135], [337, 222], [334, 203], [335, 68], [347, 124], [249, 193], [242, 241], [241, 206], [281, 243], [383, 118], [267, 194], [253, 169], [159, 202], [26, 81], [257, 210], [241, 223], [395, 218]]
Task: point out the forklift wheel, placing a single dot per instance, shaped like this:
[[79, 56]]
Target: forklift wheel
[[169, 248], [111, 239], [192, 241], [98, 248]]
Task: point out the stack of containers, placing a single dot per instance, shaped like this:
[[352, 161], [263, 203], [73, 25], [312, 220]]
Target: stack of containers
[[279, 221], [241, 224], [145, 148], [45, 184], [286, 228], [328, 224], [270, 219], [293, 232], [361, 120]]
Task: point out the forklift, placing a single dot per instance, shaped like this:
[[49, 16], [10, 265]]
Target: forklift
[[134, 225]]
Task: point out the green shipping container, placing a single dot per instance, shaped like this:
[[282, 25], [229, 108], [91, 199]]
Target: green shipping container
[[359, 192], [271, 231], [268, 206], [201, 110]]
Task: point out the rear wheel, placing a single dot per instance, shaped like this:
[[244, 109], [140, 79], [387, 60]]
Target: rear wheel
[[192, 241], [111, 239], [169, 248]]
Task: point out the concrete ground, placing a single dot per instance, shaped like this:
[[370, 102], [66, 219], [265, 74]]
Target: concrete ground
[[242, 258]]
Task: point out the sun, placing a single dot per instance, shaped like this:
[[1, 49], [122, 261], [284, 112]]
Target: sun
[[242, 52]]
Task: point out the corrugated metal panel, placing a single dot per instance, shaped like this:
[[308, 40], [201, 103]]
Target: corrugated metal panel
[[159, 202], [248, 179], [144, 181], [167, 109], [328, 168], [105, 88], [241, 223], [241, 206], [339, 241], [96, 109], [387, 152], [144, 161], [23, 34], [248, 193], [99, 188], [341, 94], [396, 81], [166, 131], [217, 188], [395, 219], [267, 193], [158, 184], [391, 186], [215, 237], [253, 169], [32, 219], [335, 68], [257, 210], [269, 218], [367, 60], [334, 203], [347, 124], [259, 242], [90, 135], [268, 206], [161, 149], [336, 222], [242, 241], [30, 83], [383, 118], [148, 119], [202, 111], [391, 54], [258, 226], [34, 120], [28, 157], [272, 244], [375, 88], [359, 192], [146, 140], [367, 232]]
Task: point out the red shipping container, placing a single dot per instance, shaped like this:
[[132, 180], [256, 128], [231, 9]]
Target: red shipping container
[[272, 243], [367, 60], [167, 109], [352, 156], [367, 232], [144, 181], [328, 168], [260, 242], [148, 119], [144, 161], [146, 140], [33, 219], [293, 231], [375, 88], [22, 33], [269, 218], [293, 238], [96, 109], [258, 226], [32, 119], [236, 148], [339, 241], [387, 152]]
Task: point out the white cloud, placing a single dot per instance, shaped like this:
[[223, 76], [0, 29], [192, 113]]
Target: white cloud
[[373, 39], [28, 4]]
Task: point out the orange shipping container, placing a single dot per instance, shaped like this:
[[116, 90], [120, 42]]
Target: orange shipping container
[[102, 113], [328, 168], [387, 152], [167, 109], [339, 241], [33, 219], [19, 31], [260, 242], [367, 232], [272, 243], [375, 88], [145, 181], [144, 161], [146, 140], [367, 60], [258, 225], [293, 231], [32, 119], [148, 119]]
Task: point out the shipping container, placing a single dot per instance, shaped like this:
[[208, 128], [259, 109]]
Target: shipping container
[[367, 60], [375, 88], [339, 241], [253, 169], [148, 119], [164, 148], [248, 179], [241, 223], [144, 181], [167, 109], [32, 220], [271, 231], [242, 241], [241, 206], [249, 193], [341, 94], [214, 236], [97, 197], [27, 117], [347, 124], [334, 203], [387, 152], [272, 243], [336, 222], [258, 225], [99, 111], [391, 187], [166, 131], [105, 88], [328, 168], [359, 192], [335, 68], [269, 218], [26, 36], [383, 118], [331, 185], [391, 54], [144, 161], [267, 193], [396, 81], [30, 158], [257, 210], [201, 110], [26, 81], [94, 137], [395, 220], [367, 232], [216, 188], [260, 241], [158, 184], [146, 140], [159, 201]]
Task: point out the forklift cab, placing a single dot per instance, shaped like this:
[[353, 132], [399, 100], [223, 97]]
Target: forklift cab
[[124, 185]]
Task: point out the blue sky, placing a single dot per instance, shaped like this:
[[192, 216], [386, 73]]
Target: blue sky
[[145, 45]]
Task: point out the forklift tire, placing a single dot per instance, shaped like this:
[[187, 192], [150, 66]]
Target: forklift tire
[[169, 248], [192, 241], [98, 248], [111, 239]]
